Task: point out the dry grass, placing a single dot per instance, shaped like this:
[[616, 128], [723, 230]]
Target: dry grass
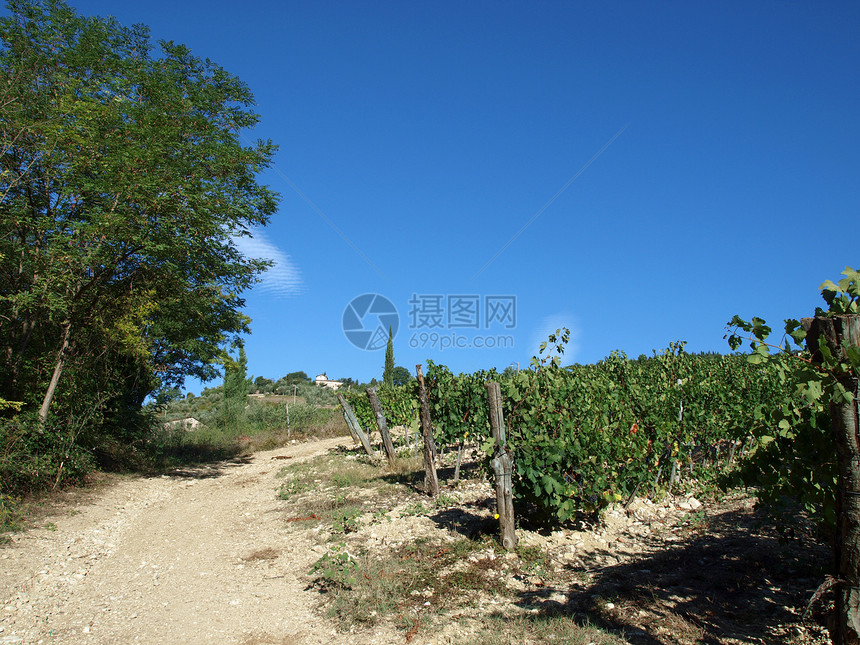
[[500, 629]]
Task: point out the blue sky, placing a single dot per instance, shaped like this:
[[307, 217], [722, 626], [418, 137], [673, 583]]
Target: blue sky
[[713, 148]]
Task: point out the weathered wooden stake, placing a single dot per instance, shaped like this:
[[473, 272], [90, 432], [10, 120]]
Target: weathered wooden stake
[[346, 418], [674, 477], [431, 481], [381, 423], [459, 460], [354, 427], [503, 466], [732, 449], [838, 332]]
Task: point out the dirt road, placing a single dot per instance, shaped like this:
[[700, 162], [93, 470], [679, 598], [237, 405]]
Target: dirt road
[[202, 556], [207, 556]]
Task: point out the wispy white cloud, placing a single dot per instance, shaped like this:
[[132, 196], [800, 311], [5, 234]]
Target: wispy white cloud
[[283, 278]]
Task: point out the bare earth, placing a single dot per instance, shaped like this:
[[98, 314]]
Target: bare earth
[[209, 555], [203, 556]]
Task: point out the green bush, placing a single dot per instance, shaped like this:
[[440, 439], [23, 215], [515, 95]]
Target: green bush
[[31, 461]]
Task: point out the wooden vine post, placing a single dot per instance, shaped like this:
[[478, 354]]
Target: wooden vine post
[[381, 423], [503, 466], [838, 332], [354, 426], [431, 481]]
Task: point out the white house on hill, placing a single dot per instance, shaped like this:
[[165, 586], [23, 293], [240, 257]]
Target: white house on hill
[[188, 423], [324, 381]]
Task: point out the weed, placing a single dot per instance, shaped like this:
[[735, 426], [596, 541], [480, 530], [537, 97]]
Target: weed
[[262, 554], [380, 516], [347, 478], [534, 560], [444, 500], [50, 526], [413, 508], [10, 513], [400, 585], [407, 466], [478, 574], [325, 472], [336, 569], [345, 520], [261, 426], [293, 487], [696, 521]]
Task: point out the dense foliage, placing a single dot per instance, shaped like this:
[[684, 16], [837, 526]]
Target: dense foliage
[[400, 403], [796, 456], [236, 389], [586, 435], [123, 185]]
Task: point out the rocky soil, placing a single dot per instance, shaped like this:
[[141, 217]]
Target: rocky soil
[[200, 556], [209, 555]]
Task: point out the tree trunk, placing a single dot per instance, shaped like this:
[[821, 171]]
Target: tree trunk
[[55, 378], [837, 332]]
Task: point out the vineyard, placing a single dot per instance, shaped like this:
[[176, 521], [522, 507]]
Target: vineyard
[[783, 418], [583, 437]]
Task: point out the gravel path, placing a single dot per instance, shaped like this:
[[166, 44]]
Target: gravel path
[[208, 556], [201, 556]]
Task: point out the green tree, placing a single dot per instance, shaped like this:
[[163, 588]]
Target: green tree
[[400, 376], [388, 374], [296, 378], [235, 388], [123, 185], [263, 384]]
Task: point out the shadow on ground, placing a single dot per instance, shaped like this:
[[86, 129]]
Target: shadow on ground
[[735, 581], [471, 523], [209, 471]]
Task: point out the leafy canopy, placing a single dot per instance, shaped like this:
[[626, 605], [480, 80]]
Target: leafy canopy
[[123, 185], [795, 453]]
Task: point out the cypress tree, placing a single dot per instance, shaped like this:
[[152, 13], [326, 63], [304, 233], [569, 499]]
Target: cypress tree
[[235, 389], [388, 374]]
